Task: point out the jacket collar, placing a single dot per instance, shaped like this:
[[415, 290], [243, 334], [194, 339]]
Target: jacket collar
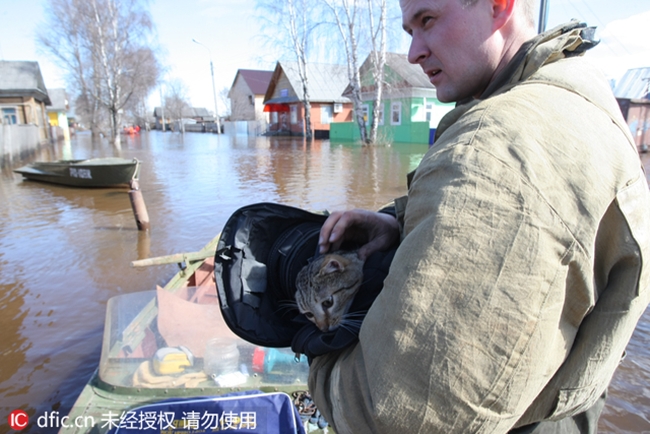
[[566, 40]]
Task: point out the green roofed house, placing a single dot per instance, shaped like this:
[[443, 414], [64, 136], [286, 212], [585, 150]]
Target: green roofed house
[[410, 110]]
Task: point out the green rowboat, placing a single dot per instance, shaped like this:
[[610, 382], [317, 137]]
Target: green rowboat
[[173, 343], [95, 172]]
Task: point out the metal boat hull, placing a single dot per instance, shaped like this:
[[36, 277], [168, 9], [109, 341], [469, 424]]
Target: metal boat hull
[[96, 172]]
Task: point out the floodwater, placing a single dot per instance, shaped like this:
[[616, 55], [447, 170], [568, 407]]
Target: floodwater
[[64, 252]]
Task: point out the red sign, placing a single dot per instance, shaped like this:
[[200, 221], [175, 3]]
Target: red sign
[[18, 420]]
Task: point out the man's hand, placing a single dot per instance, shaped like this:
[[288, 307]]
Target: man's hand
[[374, 231]]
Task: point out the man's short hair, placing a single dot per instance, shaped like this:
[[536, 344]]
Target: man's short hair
[[528, 7]]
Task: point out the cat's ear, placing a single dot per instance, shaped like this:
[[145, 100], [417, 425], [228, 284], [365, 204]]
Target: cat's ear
[[332, 265]]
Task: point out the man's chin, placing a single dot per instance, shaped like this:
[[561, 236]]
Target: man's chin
[[447, 94]]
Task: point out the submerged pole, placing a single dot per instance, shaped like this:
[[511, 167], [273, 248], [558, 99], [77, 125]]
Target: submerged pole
[[139, 208]]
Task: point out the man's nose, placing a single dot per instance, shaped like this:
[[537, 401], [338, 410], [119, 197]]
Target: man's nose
[[418, 51]]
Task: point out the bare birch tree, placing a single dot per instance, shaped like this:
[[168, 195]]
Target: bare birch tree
[[102, 44], [348, 28], [298, 31], [226, 101], [176, 103], [378, 61], [292, 23], [350, 24]]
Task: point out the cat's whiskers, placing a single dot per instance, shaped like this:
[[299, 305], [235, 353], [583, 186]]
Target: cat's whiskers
[[351, 326], [352, 320], [358, 314], [286, 306]]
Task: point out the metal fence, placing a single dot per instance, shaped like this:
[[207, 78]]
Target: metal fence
[[251, 128]]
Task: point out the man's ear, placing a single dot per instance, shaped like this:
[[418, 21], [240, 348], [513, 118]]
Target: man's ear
[[502, 11]]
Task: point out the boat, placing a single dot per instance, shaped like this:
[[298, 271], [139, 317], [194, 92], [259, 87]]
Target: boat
[[94, 172], [172, 344]]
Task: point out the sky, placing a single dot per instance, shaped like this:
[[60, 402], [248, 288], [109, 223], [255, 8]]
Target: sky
[[231, 37]]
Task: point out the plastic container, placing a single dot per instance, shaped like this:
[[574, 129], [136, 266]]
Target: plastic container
[[221, 357]]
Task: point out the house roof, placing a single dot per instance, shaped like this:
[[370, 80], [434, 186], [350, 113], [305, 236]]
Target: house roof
[[258, 81], [634, 84], [59, 100], [190, 112], [22, 79], [326, 82], [200, 112], [412, 74]]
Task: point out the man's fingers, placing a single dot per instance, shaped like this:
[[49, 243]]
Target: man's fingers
[[328, 233], [374, 231], [375, 245], [333, 232]]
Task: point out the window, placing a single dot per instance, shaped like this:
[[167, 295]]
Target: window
[[284, 93], [9, 116], [294, 114], [325, 114], [365, 110], [396, 113], [428, 109], [367, 115]]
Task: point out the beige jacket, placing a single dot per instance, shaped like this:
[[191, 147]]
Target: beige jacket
[[521, 273]]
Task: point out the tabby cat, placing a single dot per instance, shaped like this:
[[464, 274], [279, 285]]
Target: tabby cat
[[326, 287]]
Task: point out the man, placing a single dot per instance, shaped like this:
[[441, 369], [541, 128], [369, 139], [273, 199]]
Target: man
[[520, 273]]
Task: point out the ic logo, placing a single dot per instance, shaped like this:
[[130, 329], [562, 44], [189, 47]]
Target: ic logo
[[18, 420]]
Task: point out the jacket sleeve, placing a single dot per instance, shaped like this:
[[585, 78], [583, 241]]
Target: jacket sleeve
[[472, 321]]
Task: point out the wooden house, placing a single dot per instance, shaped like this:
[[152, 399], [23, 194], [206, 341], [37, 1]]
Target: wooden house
[[283, 99], [410, 110], [633, 95], [191, 115], [23, 96], [247, 95], [57, 114]]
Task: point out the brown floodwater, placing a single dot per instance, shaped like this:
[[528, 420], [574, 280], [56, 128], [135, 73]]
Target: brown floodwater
[[64, 252]]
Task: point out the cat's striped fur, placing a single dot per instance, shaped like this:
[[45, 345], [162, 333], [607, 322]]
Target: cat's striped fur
[[326, 287]]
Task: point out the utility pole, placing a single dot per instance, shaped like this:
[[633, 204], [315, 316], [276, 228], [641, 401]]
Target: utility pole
[[543, 15], [162, 109], [214, 91]]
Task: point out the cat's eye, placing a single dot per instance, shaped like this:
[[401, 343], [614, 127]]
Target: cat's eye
[[309, 315], [328, 303]]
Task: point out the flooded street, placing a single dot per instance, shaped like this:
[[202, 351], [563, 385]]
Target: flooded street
[[64, 252]]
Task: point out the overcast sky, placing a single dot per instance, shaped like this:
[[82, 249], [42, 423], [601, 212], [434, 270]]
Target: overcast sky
[[231, 34]]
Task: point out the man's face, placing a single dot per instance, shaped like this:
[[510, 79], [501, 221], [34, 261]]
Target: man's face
[[453, 44]]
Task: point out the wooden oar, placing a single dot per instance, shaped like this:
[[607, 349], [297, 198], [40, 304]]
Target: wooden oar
[[172, 259]]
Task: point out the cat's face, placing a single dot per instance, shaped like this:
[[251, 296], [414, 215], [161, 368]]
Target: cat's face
[[326, 287]]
